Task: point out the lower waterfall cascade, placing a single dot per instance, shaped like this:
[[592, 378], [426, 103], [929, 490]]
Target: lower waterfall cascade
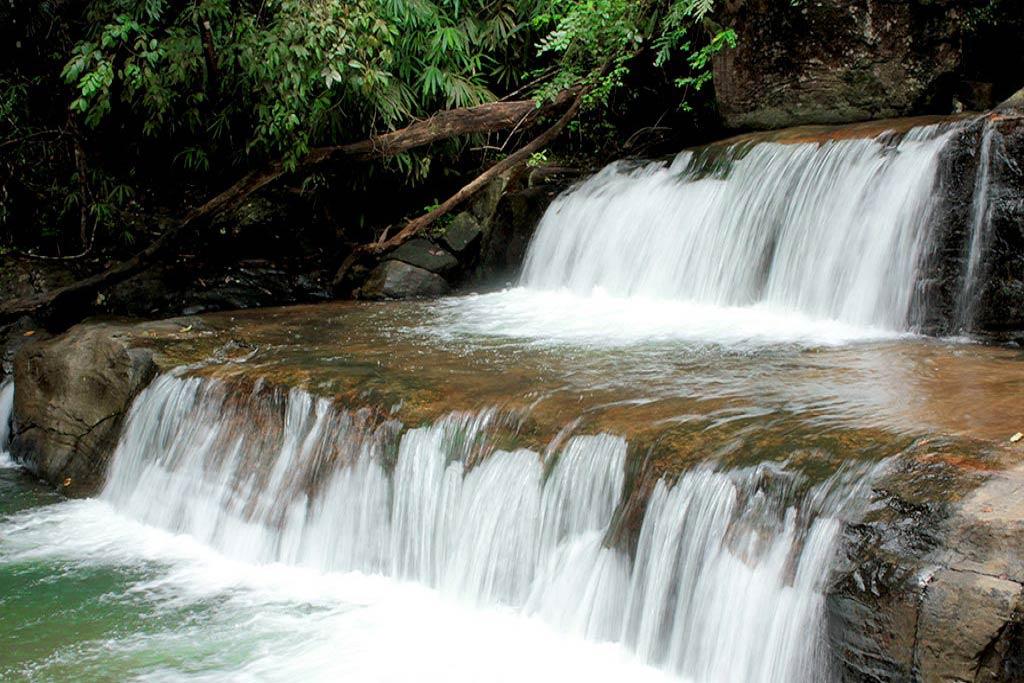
[[726, 582]]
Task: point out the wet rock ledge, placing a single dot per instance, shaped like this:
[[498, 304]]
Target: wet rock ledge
[[930, 587]]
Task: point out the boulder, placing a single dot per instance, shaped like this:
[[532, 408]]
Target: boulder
[[930, 589], [485, 203], [960, 632], [399, 280], [425, 254], [462, 234], [1013, 104], [73, 392]]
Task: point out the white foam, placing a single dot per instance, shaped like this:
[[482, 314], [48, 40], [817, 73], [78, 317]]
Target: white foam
[[831, 231], [818, 244], [306, 625], [599, 319]]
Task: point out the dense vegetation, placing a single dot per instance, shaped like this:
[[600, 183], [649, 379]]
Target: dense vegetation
[[114, 113]]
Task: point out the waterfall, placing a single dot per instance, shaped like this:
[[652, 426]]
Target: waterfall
[[725, 582], [979, 230], [831, 231], [6, 415]]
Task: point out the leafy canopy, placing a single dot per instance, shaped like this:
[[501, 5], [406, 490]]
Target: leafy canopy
[[102, 99], [270, 79]]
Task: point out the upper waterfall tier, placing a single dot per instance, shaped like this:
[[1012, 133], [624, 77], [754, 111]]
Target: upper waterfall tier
[[835, 230]]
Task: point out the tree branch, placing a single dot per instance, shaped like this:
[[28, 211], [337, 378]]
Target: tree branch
[[519, 156], [67, 304]]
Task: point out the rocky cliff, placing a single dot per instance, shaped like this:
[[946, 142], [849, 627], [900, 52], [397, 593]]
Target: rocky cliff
[[833, 61]]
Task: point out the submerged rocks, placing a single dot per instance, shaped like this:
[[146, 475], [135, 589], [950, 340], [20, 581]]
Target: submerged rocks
[[72, 395]]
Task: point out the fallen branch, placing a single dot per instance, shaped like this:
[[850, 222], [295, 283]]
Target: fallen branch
[[67, 304], [416, 225], [511, 161]]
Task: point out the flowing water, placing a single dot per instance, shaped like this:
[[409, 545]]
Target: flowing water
[[979, 229], [6, 409], [217, 502], [637, 465], [820, 242]]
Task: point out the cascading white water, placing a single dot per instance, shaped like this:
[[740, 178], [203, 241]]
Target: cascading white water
[[830, 231], [6, 414], [979, 228], [725, 582]]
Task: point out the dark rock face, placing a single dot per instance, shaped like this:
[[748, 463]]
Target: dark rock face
[[180, 288], [507, 235], [838, 61], [72, 395], [21, 277], [939, 297], [991, 303], [1000, 305], [267, 252], [13, 337], [399, 280]]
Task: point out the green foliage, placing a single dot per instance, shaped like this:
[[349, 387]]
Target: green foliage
[[596, 41], [537, 159], [278, 76], [200, 91], [281, 75]]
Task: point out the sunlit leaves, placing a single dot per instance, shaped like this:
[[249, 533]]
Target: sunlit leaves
[[595, 42]]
